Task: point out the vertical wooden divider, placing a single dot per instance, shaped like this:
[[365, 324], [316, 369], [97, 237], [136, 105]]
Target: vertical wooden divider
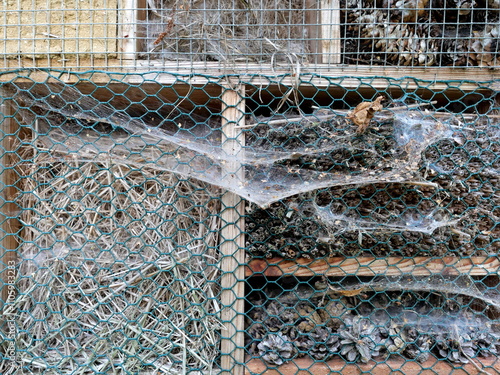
[[312, 20], [130, 33], [330, 31], [232, 235], [10, 226], [323, 31]]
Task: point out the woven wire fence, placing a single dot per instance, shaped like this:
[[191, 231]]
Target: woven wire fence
[[368, 220], [282, 33]]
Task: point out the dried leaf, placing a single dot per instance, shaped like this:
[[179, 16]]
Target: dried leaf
[[412, 9], [348, 292], [364, 112]]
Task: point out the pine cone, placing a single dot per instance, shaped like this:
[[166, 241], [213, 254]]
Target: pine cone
[[494, 4], [359, 339], [411, 10], [332, 314], [464, 6], [255, 333], [484, 48], [273, 320], [394, 343], [417, 345], [400, 43], [303, 344], [485, 344], [309, 317], [276, 349], [455, 51], [454, 348], [324, 343], [257, 313], [387, 31]]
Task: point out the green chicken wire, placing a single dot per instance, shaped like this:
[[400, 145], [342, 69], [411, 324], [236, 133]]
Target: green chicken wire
[[361, 246], [377, 275]]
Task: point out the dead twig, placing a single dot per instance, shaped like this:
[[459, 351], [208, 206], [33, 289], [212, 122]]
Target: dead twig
[[168, 30], [335, 113]]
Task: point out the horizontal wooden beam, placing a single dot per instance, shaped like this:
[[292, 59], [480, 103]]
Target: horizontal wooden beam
[[370, 266], [260, 74], [306, 366]]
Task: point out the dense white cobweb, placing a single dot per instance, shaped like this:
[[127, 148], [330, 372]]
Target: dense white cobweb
[[259, 175]]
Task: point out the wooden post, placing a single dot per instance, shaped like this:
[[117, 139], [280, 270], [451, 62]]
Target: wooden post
[[130, 33], [10, 225], [330, 31], [232, 236], [313, 19]]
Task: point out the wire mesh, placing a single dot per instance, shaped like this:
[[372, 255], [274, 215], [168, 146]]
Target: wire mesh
[[366, 210], [279, 34]]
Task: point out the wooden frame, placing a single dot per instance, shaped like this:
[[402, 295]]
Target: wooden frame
[[233, 262], [129, 32], [323, 28], [330, 32], [10, 226], [138, 71], [396, 366], [323, 23]]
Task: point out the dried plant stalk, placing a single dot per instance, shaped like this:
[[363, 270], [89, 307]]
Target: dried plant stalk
[[117, 269], [214, 30]]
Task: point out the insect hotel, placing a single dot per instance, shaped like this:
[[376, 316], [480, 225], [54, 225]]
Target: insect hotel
[[250, 187]]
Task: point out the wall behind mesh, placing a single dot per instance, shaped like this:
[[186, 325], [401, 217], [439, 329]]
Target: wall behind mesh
[[370, 246], [225, 34]]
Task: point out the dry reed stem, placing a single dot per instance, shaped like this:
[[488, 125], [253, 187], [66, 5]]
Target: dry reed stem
[[118, 269], [226, 30]]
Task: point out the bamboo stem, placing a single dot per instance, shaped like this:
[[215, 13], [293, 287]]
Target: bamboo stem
[[338, 112]]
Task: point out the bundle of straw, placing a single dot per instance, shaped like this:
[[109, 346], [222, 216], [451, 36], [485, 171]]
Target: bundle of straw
[[117, 270]]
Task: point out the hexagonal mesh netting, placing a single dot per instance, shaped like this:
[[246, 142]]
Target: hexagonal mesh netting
[[346, 225]]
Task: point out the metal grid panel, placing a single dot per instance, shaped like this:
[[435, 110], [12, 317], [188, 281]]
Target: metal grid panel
[[232, 225], [265, 34]]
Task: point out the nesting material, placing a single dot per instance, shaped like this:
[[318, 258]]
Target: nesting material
[[226, 31], [77, 125], [323, 324], [414, 182], [451, 208], [117, 269], [421, 33], [404, 32]]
